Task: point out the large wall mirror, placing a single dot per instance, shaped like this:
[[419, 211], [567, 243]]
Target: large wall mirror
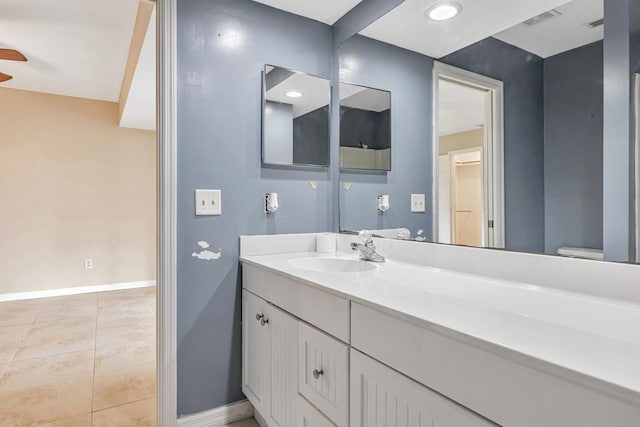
[[295, 118], [497, 123]]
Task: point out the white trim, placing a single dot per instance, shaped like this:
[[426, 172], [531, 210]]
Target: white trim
[[637, 160], [17, 296], [494, 153], [166, 69], [219, 417]]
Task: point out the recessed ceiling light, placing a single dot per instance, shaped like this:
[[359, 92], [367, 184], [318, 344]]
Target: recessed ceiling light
[[443, 11], [294, 94]]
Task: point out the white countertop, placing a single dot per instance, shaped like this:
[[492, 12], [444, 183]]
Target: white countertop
[[595, 338]]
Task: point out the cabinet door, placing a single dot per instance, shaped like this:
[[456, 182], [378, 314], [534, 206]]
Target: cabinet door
[[324, 373], [255, 351], [309, 416], [283, 376], [382, 397]]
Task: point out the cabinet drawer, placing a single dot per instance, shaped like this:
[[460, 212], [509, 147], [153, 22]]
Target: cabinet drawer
[[384, 398], [323, 373], [325, 311], [309, 416]]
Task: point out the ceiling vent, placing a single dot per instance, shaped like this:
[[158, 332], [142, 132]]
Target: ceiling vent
[[543, 17], [596, 24]]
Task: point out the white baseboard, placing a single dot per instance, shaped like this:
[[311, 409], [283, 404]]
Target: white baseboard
[[219, 417], [75, 291]]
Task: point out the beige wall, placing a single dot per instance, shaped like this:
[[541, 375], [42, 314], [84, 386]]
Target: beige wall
[[461, 141], [73, 185]]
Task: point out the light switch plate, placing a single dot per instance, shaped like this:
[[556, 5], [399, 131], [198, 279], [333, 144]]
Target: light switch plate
[[208, 202], [418, 203]]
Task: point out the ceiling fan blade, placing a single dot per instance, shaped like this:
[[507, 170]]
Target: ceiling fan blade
[[12, 55], [4, 77]]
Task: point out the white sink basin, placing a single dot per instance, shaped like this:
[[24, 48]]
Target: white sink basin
[[333, 265]]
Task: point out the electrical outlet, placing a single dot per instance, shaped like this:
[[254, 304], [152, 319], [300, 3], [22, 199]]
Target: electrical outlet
[[88, 264], [418, 203], [208, 202]]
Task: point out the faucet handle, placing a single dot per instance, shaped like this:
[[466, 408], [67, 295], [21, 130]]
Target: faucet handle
[[365, 237]]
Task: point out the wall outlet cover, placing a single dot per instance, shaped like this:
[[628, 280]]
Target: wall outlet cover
[[418, 203]]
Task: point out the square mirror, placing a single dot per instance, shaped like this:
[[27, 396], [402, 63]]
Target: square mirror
[[365, 128], [295, 118]]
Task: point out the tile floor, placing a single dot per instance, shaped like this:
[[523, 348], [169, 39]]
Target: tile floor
[[79, 361], [245, 423]]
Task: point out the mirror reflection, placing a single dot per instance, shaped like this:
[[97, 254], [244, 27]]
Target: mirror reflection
[[514, 149], [365, 128], [295, 128]]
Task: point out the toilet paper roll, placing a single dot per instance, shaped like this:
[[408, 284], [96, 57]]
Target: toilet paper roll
[[326, 243]]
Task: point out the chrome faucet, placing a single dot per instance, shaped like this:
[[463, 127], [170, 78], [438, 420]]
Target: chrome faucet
[[366, 247]]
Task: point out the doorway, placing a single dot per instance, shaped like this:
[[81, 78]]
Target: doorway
[[468, 159], [77, 280], [461, 198]]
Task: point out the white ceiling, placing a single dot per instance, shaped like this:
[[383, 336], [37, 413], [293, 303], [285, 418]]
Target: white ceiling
[[406, 27], [140, 110], [327, 11], [364, 98], [316, 93], [75, 47], [461, 108], [560, 33]]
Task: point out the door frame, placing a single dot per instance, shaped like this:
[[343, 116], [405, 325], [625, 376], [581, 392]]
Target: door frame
[[167, 189], [636, 105], [493, 153]]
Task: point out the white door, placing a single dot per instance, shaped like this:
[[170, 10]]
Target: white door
[[382, 397], [255, 351], [283, 369]]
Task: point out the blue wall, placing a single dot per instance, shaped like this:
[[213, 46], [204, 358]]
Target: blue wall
[[408, 76], [618, 201], [573, 110], [522, 74], [222, 48]]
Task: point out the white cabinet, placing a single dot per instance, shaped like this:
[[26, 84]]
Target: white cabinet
[[310, 416], [270, 354], [255, 351], [382, 397], [324, 373]]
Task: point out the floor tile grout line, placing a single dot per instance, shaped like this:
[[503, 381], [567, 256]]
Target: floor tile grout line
[[50, 355], [26, 334], [126, 403]]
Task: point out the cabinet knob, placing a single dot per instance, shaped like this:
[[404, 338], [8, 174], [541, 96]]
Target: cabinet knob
[[317, 374], [259, 316], [264, 321]]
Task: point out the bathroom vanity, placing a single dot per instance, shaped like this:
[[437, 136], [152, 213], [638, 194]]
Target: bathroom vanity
[[332, 340]]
